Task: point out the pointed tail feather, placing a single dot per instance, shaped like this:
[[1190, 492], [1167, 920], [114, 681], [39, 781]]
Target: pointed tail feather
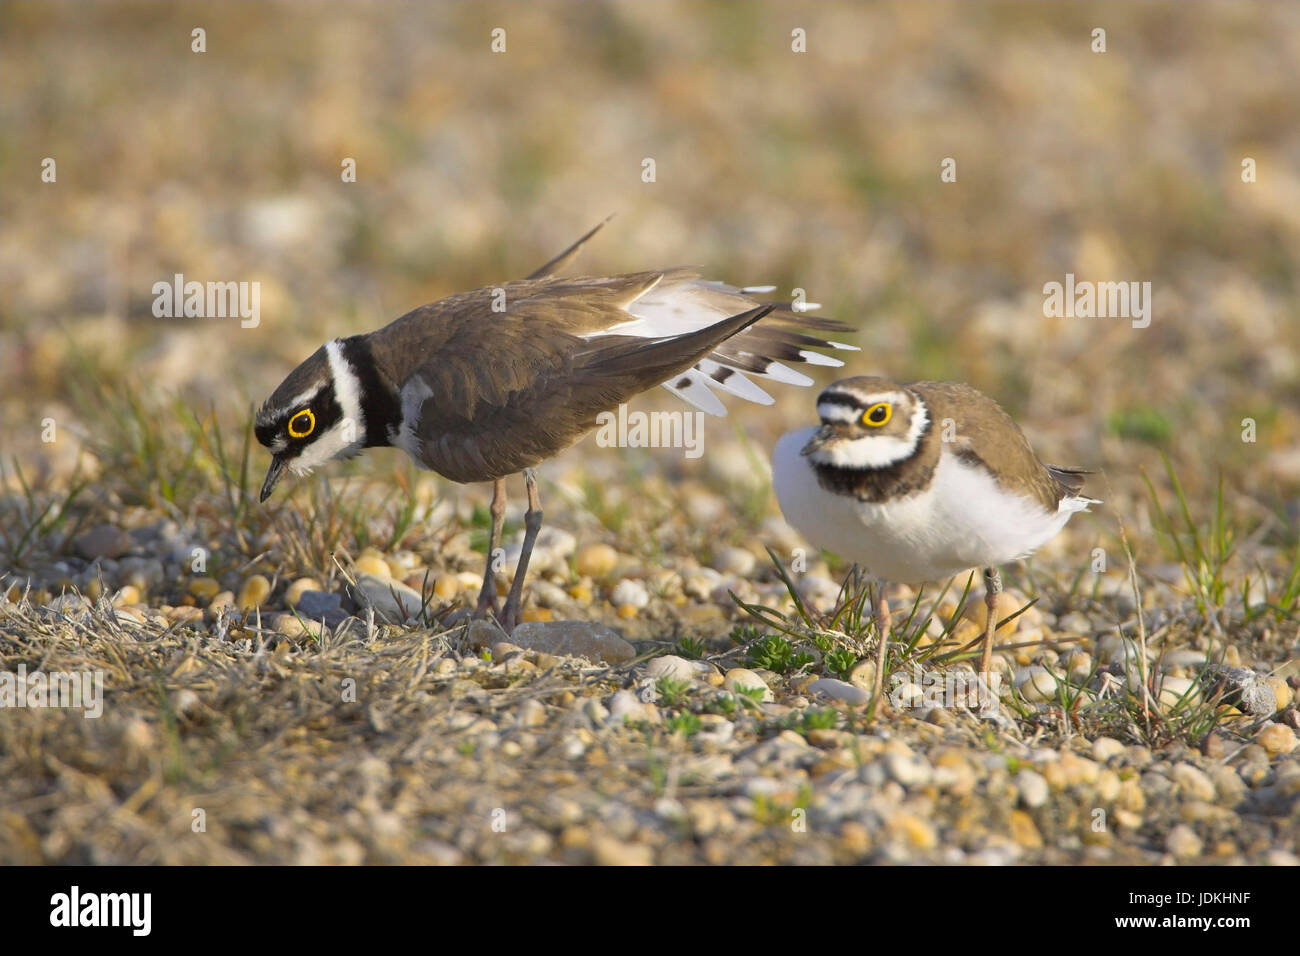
[[568, 255]]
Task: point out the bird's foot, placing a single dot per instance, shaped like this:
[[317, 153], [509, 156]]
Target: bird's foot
[[510, 617], [487, 599]]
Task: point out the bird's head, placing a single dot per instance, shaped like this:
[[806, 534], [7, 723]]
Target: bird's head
[[313, 417], [868, 423]]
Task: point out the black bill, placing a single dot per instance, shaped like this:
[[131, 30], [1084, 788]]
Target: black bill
[[819, 439], [272, 476]]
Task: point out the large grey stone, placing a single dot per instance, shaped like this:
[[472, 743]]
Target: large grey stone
[[840, 690], [392, 600], [574, 639], [102, 541]]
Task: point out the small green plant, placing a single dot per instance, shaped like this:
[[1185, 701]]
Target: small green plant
[[746, 634], [1290, 596], [822, 641], [724, 704], [672, 691], [692, 649], [1204, 553], [841, 662], [685, 723], [820, 718], [1142, 423], [612, 515], [769, 812], [775, 653], [35, 521], [750, 697]]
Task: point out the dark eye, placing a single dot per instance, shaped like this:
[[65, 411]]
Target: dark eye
[[878, 414], [302, 424]]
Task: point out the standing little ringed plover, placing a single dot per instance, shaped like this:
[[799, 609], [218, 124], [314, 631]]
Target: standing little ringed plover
[[919, 482], [485, 384]]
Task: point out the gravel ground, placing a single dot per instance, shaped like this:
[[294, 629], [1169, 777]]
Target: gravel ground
[[633, 719]]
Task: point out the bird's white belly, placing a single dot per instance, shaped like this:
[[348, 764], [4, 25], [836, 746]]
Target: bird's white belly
[[963, 520]]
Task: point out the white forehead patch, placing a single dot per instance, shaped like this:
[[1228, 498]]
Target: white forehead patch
[[839, 412], [305, 398]]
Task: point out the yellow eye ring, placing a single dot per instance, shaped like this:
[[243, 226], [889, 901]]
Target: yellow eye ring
[[873, 416], [302, 431]]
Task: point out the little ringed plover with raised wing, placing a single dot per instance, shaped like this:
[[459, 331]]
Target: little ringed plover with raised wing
[[919, 482], [485, 384]]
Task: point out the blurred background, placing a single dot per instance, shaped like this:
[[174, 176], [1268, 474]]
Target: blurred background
[[818, 170]]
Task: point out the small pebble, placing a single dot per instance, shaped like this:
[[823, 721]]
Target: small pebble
[[977, 612], [625, 705], [1212, 745], [297, 630], [672, 666], [185, 702], [915, 831], [1024, 831], [256, 589], [546, 594], [224, 599], [629, 593], [1033, 788], [130, 594], [1192, 781], [910, 770], [295, 591], [1277, 739], [1178, 692], [742, 677], [700, 583], [1079, 665], [1281, 690], [735, 561], [531, 713], [502, 649], [1037, 684], [1103, 748], [606, 851], [863, 675], [820, 592], [596, 561], [906, 695], [183, 614], [138, 736], [1183, 842], [374, 565], [203, 588]]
